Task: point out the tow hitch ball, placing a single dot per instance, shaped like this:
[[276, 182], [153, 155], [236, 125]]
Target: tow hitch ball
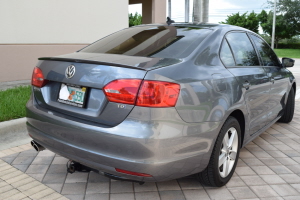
[[73, 166]]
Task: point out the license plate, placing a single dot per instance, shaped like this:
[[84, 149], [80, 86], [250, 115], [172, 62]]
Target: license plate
[[72, 95]]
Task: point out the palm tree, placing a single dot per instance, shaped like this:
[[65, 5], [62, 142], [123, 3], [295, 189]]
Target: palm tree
[[169, 10], [200, 10], [197, 11], [205, 10]]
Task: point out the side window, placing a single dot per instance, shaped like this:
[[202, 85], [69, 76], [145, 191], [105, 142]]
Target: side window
[[226, 55], [268, 56], [242, 48]]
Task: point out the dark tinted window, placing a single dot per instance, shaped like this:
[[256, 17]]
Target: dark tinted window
[[153, 41], [242, 48], [226, 55], [268, 56]]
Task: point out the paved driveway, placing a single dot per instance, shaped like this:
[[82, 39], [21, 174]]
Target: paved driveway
[[268, 169]]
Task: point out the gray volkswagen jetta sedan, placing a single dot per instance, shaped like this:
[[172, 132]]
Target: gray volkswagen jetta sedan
[[158, 102]]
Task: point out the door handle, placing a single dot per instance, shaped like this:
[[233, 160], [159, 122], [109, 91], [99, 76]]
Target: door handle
[[246, 85], [272, 80]]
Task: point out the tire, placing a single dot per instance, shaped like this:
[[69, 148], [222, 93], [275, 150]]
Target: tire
[[216, 176], [288, 112]]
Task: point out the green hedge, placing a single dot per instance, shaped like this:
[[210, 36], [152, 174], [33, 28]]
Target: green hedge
[[289, 46]]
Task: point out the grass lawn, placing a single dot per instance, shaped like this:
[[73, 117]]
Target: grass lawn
[[13, 101], [290, 53]]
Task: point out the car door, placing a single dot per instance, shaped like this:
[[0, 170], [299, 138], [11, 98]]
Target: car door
[[277, 76], [252, 78]]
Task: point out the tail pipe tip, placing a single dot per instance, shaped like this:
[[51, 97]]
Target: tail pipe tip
[[37, 146]]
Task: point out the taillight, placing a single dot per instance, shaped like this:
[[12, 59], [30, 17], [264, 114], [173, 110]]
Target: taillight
[[122, 91], [38, 79], [142, 93], [158, 94], [132, 173]]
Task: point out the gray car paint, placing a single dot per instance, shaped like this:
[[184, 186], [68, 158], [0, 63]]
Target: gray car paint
[[167, 143], [278, 89]]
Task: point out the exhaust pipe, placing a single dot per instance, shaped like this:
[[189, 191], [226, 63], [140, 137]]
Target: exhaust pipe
[[37, 146]]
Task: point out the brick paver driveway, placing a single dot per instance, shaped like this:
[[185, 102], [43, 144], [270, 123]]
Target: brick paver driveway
[[269, 168]]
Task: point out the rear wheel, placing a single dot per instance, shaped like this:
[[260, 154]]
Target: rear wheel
[[289, 108], [224, 156]]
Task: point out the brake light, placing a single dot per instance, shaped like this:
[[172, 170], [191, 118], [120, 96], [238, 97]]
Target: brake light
[[142, 93], [158, 94], [122, 91], [38, 79], [132, 173]]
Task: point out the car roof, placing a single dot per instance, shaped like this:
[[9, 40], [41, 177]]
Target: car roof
[[212, 26]]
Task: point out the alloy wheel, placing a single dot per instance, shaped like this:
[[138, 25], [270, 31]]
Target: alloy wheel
[[228, 152]]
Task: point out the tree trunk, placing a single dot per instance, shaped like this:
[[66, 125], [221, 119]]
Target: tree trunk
[[205, 10], [187, 11], [170, 9], [200, 11], [197, 11]]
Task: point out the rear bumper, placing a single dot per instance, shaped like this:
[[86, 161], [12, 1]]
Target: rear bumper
[[151, 141]]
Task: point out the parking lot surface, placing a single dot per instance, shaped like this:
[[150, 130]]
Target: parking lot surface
[[268, 168]]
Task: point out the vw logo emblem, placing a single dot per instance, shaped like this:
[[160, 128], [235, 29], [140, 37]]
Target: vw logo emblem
[[70, 71]]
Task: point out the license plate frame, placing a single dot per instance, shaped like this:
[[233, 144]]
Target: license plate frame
[[77, 95]]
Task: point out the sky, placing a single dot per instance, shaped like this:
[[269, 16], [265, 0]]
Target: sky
[[218, 9]]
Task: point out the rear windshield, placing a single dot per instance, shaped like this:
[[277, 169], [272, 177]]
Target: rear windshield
[[151, 41]]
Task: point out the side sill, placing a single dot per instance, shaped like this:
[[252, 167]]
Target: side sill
[[255, 135]]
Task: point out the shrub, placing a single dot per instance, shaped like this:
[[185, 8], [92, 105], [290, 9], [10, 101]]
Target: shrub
[[135, 19], [289, 46]]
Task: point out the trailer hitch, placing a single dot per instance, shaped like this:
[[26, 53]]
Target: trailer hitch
[[73, 166]]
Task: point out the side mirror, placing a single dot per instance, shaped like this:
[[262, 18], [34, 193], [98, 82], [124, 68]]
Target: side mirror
[[288, 62]]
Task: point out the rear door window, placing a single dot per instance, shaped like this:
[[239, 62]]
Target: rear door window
[[267, 55], [242, 48]]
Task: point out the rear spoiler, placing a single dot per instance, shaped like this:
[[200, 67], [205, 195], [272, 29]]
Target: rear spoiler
[[91, 62]]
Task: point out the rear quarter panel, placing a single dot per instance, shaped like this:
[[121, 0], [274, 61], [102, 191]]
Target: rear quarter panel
[[209, 92]]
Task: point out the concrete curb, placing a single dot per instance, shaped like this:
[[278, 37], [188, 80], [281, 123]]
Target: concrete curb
[[13, 133], [13, 84]]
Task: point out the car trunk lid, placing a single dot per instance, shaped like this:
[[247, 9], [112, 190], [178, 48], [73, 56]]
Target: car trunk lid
[[92, 72]]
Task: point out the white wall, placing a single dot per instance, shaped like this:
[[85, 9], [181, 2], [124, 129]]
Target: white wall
[[60, 21]]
